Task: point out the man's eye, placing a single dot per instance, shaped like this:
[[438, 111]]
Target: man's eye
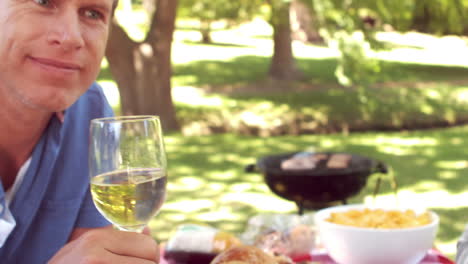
[[93, 14], [46, 3]]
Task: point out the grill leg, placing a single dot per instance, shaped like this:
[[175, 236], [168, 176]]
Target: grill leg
[[300, 207]]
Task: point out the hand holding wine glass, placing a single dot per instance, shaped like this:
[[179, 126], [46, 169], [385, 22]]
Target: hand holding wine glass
[[128, 169]]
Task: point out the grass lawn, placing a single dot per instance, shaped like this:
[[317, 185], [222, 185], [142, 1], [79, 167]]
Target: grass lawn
[[225, 81]]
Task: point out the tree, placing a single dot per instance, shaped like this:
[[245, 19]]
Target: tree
[[142, 69], [304, 22], [283, 65], [351, 25], [440, 16]]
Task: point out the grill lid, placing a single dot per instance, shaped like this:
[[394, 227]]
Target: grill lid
[[320, 164]]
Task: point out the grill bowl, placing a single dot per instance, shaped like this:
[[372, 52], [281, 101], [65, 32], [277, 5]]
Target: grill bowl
[[319, 187]]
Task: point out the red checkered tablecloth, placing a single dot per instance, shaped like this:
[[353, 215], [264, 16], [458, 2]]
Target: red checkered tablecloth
[[433, 256]]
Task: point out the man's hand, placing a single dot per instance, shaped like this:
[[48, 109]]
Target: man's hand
[[106, 245]]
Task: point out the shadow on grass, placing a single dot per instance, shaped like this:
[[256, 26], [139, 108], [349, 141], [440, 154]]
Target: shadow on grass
[[217, 44], [246, 69], [240, 70], [451, 222], [333, 108]]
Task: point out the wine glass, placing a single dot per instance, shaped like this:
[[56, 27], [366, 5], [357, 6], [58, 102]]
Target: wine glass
[[128, 169]]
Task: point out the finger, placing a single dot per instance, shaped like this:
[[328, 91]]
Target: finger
[[146, 231], [119, 259], [123, 243], [77, 232], [136, 245]]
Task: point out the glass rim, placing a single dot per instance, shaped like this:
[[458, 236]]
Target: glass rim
[[128, 118]]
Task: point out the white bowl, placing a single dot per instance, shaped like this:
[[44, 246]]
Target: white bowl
[[356, 245]]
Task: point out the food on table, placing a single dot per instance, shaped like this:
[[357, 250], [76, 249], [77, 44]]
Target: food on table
[[380, 218], [309, 161], [303, 161], [245, 254], [198, 244], [339, 161], [224, 240], [293, 242], [302, 240], [289, 235], [370, 235], [199, 238]]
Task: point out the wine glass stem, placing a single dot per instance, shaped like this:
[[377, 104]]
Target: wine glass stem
[[138, 229]]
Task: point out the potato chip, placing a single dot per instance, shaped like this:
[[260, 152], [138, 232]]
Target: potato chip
[[379, 218]]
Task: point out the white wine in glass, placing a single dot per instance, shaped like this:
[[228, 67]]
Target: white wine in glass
[[128, 169]]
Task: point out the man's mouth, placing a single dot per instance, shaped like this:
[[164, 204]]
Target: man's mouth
[[58, 64]]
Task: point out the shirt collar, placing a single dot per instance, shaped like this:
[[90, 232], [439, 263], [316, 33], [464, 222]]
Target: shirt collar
[[60, 116]]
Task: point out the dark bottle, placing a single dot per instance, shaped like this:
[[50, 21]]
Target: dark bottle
[[186, 257]]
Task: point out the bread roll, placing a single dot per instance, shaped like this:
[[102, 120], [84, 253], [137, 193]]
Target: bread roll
[[224, 240], [244, 255]]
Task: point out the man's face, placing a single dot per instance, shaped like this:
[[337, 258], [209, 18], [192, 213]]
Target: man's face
[[51, 50]]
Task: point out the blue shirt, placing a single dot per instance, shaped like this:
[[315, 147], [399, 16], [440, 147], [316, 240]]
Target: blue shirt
[[54, 196]]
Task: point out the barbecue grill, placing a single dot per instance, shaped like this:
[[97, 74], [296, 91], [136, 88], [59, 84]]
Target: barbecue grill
[[320, 186]]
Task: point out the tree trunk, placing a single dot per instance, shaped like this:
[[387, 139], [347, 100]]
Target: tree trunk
[[283, 66], [205, 31], [421, 16], [303, 23], [143, 70]]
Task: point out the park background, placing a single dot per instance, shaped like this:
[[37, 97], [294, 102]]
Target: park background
[[235, 81]]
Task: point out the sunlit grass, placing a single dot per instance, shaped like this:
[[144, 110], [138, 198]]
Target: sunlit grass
[[454, 165], [426, 49], [197, 97]]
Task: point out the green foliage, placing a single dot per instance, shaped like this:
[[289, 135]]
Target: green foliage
[[397, 13], [441, 16], [279, 10], [208, 10], [330, 110], [354, 65], [350, 27]]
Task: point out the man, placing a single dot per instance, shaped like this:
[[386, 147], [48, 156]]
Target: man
[[50, 55]]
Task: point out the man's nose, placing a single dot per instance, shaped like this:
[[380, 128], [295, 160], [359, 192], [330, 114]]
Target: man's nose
[[65, 31]]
